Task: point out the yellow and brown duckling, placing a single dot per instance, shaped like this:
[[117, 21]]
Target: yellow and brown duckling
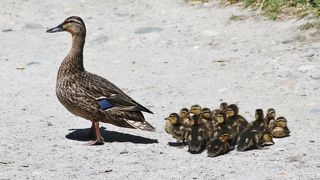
[[196, 138], [270, 116], [195, 110], [90, 96], [281, 129], [266, 138], [185, 117], [206, 119], [238, 122], [219, 146], [255, 135], [220, 126], [174, 127]]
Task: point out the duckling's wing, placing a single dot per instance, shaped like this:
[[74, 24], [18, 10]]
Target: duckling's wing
[[100, 87]]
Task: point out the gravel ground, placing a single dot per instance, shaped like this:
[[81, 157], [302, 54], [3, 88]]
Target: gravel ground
[[166, 55]]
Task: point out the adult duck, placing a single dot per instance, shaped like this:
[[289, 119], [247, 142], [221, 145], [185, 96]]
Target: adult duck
[[90, 96]]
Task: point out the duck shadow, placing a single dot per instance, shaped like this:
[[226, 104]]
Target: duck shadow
[[177, 144], [109, 136]]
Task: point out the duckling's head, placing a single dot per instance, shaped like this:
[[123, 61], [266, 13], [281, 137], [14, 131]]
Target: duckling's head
[[173, 118], [206, 113], [73, 25], [232, 110], [184, 113], [271, 113], [220, 117], [259, 114], [195, 109], [281, 122], [223, 106]]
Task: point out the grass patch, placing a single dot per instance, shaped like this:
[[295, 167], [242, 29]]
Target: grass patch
[[275, 9], [237, 17]]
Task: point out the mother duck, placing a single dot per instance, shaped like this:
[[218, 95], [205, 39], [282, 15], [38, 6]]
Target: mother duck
[[90, 96]]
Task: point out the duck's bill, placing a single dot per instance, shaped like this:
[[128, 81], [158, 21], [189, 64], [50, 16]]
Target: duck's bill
[[55, 29]]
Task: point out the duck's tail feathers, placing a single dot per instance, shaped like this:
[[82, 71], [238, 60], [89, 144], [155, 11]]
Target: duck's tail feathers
[[145, 126]]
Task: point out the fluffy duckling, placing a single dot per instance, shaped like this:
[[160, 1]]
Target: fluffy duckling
[[219, 146], [195, 110], [173, 127], [255, 135], [220, 126], [206, 119], [238, 122], [196, 138], [185, 117], [266, 138], [281, 129], [249, 139], [271, 115]]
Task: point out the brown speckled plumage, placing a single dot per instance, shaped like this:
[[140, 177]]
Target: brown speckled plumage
[[78, 90]]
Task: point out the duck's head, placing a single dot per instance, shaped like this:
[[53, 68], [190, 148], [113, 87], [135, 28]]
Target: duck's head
[[206, 113], [232, 110], [271, 113], [223, 106], [220, 117], [184, 113], [173, 118], [195, 109], [73, 25], [259, 114], [281, 122]]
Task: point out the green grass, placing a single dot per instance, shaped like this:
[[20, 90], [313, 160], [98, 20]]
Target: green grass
[[275, 9]]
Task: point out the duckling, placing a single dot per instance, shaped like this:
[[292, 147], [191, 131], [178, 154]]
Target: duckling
[[281, 129], [90, 96], [255, 134], [206, 119], [173, 126], [259, 122], [196, 138], [220, 126], [271, 115], [195, 110], [266, 138], [248, 139], [238, 122], [219, 146], [185, 117]]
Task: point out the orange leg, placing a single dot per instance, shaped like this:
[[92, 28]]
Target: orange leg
[[99, 139]]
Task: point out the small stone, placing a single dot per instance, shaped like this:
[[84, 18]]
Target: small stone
[[310, 55], [49, 124], [144, 30], [33, 26], [20, 67], [305, 68], [124, 152], [6, 30], [312, 141]]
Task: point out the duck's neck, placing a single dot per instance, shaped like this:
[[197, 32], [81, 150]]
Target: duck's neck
[[73, 62]]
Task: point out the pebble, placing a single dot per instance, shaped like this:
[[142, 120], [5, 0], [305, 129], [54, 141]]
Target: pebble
[[305, 68], [144, 30], [20, 67], [6, 30], [33, 26]]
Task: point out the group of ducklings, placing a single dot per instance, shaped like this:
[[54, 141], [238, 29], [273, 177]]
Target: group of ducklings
[[222, 129]]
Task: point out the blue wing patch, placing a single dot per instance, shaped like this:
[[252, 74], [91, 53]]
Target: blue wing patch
[[104, 104]]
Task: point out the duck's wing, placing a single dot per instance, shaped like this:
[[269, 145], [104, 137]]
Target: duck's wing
[[99, 87]]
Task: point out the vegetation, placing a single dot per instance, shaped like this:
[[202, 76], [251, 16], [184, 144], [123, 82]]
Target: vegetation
[[275, 9]]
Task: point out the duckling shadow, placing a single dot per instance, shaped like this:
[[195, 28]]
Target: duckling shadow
[[177, 144], [109, 136]]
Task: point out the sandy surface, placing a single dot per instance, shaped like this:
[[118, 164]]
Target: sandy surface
[[166, 55]]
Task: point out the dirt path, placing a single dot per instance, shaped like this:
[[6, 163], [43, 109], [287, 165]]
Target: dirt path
[[166, 55]]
